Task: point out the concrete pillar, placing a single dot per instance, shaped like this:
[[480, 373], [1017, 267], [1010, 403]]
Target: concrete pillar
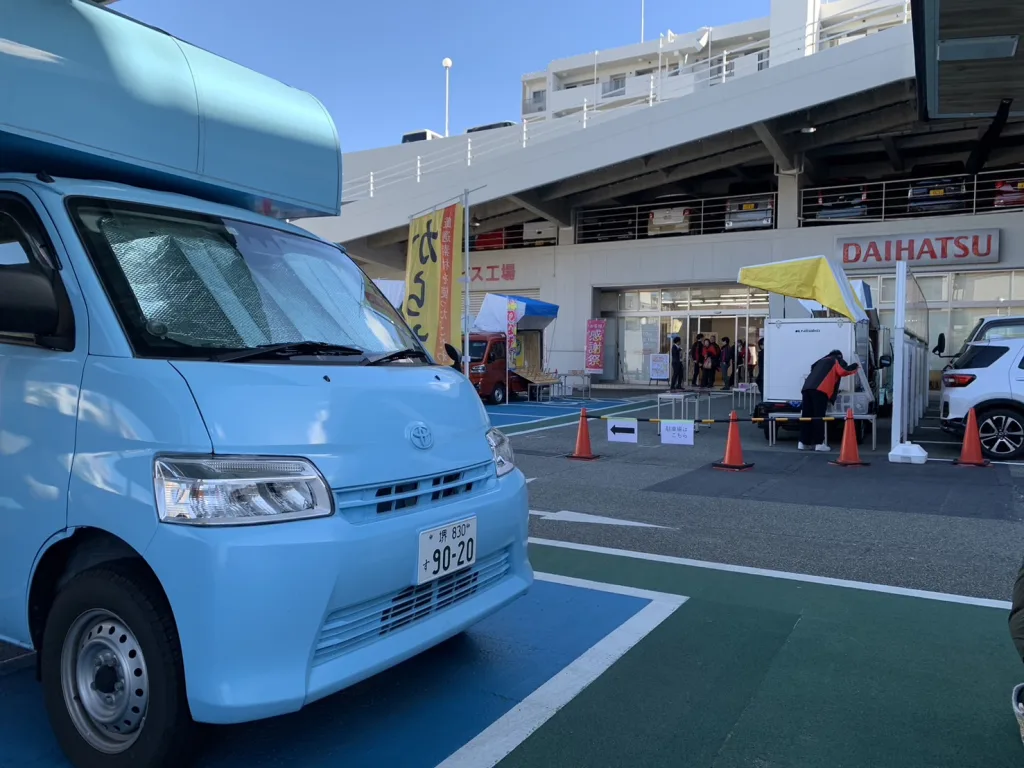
[[787, 208], [793, 27]]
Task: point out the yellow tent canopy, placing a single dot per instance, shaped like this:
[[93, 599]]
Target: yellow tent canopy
[[815, 278]]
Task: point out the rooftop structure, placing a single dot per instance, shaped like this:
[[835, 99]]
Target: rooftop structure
[[674, 65]]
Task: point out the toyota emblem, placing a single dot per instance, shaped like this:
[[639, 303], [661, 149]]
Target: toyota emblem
[[420, 436]]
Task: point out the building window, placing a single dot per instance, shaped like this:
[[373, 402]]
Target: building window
[[675, 300], [538, 97], [981, 286]]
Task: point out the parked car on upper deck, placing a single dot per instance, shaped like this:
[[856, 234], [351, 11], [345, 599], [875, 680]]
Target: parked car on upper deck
[[844, 201], [938, 188], [1009, 193], [754, 212]]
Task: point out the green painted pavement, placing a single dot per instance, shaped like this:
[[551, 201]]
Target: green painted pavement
[[762, 672]]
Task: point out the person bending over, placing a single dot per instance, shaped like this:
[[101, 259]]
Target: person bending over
[[820, 388]]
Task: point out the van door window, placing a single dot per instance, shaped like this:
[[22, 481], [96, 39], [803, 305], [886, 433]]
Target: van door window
[[497, 351], [22, 246]]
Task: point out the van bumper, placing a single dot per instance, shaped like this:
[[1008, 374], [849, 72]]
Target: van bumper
[[273, 617]]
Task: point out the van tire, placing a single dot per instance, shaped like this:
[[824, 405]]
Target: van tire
[[1012, 421], [120, 596], [498, 394]]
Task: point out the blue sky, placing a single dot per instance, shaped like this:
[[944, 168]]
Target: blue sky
[[376, 64]]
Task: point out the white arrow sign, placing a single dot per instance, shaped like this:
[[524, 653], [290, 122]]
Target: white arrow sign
[[622, 430]]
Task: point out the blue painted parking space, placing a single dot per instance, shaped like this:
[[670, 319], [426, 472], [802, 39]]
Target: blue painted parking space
[[419, 714], [516, 414]]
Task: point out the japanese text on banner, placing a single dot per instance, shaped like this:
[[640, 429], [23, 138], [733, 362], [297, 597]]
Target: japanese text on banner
[[510, 333], [593, 351], [433, 287]]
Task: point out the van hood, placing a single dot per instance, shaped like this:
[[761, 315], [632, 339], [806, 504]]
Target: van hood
[[354, 422]]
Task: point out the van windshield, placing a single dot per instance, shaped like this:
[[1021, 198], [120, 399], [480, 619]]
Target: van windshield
[[191, 285], [477, 349]]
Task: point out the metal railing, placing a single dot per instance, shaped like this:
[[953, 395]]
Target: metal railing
[[667, 217], [660, 86], [950, 194]]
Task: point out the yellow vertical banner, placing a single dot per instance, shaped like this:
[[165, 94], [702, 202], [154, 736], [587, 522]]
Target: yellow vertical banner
[[433, 287]]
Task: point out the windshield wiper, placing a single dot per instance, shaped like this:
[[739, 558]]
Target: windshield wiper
[[286, 349], [402, 354]]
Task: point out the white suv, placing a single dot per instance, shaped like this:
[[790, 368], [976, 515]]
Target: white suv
[[989, 377]]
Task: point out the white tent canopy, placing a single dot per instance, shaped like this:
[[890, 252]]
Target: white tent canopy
[[531, 314], [393, 290]]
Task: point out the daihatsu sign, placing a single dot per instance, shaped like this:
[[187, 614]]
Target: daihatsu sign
[[943, 250]]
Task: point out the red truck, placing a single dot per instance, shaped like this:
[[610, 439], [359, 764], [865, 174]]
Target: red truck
[[487, 366]]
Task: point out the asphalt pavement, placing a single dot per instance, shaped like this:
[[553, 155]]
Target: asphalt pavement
[[934, 527]]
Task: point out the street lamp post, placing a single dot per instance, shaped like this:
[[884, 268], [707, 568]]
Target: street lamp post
[[447, 64]]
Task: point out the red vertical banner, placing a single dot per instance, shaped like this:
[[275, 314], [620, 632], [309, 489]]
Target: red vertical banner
[[593, 350], [510, 333], [448, 278]]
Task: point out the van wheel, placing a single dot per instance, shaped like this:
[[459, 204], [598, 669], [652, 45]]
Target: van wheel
[[498, 395], [1002, 434], [112, 673]]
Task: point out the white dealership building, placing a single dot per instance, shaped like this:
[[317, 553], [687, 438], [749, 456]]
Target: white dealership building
[[845, 128]]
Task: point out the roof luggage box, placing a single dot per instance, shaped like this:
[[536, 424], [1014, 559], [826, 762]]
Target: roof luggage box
[[89, 93]]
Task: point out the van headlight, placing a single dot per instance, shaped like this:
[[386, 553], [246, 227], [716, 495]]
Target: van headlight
[[212, 490], [501, 447]]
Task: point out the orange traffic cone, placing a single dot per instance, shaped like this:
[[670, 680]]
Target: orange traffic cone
[[733, 460], [849, 454], [970, 453], [583, 451]]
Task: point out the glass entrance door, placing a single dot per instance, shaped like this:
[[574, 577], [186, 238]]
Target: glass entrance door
[[741, 331]]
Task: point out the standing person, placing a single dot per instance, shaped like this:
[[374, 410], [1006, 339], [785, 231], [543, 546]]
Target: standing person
[[759, 362], [696, 358], [727, 360], [708, 365], [676, 355], [820, 388], [741, 361]]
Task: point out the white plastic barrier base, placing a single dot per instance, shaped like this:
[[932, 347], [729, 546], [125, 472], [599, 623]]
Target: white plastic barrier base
[[908, 453]]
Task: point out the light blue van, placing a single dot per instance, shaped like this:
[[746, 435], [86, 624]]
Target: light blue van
[[231, 480]]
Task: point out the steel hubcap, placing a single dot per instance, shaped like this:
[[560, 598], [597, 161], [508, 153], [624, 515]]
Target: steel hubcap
[[105, 681]]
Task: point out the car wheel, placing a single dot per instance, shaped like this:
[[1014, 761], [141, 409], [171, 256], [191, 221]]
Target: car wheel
[[498, 395], [112, 673], [1002, 434]]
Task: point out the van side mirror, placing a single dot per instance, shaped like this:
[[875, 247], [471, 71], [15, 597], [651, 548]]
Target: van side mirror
[[28, 302], [940, 345], [453, 353], [884, 361]]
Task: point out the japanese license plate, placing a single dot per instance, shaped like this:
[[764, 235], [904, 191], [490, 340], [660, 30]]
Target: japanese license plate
[[446, 549], [1020, 185], [750, 206], [936, 192]]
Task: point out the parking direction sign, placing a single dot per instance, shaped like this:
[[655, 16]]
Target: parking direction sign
[[676, 432], [622, 430]]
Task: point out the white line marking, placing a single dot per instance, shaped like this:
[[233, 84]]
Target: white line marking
[[1003, 463], [530, 480], [496, 741], [574, 423], [565, 516], [749, 571]]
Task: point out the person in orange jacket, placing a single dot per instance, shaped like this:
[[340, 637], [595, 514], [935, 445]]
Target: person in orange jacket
[[820, 388]]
